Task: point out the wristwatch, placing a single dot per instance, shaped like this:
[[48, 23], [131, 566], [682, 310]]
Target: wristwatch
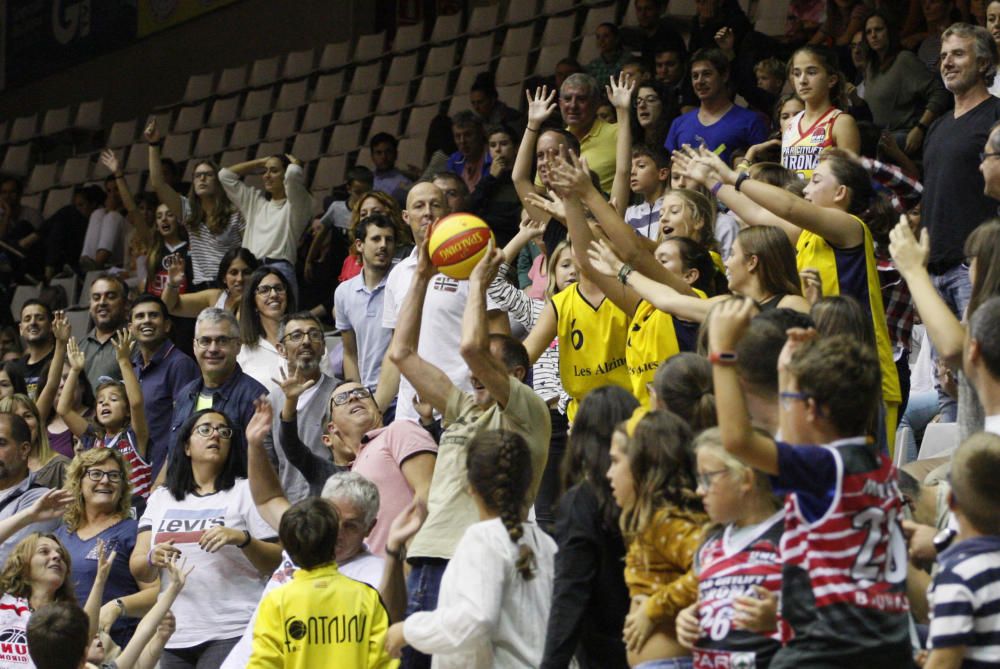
[[943, 539]]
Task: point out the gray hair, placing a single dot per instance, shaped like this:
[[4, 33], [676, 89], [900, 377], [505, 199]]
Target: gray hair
[[297, 316], [217, 315], [357, 490], [984, 46], [581, 80]]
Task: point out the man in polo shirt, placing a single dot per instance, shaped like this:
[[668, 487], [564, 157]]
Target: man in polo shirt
[[108, 295], [358, 302], [578, 104], [39, 343], [162, 370], [498, 365], [471, 161]]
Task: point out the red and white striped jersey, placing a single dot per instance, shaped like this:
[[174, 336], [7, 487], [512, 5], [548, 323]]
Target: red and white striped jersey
[[14, 614], [729, 567]]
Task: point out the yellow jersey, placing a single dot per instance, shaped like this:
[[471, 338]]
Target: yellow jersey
[[591, 345], [853, 272], [654, 337]]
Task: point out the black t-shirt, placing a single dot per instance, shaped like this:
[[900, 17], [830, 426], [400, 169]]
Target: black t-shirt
[[954, 203], [32, 372]]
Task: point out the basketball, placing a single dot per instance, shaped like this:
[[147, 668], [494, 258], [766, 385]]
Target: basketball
[[458, 242]]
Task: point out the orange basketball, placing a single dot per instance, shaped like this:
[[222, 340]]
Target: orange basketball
[[458, 242]]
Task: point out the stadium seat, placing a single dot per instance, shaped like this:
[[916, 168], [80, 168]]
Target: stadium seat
[[292, 94], [369, 47], [478, 50], [257, 103], [190, 118], [440, 60], [588, 50], [595, 17], [199, 87], [558, 30], [408, 38], [318, 115], [224, 111], [233, 156], [385, 123], [138, 160], [298, 64], [548, 57], [356, 107], [245, 133], [278, 147], [177, 147], [122, 133], [264, 71], [307, 146], [76, 171], [282, 125], [420, 120], [232, 80], [79, 317], [21, 295], [211, 141], [466, 77], [3, 132], [43, 177], [511, 69], [134, 182], [329, 86], [512, 95], [432, 89], [55, 121], [447, 28], [483, 19], [366, 77], [345, 138], [459, 103], [17, 160], [24, 128], [88, 281], [940, 439], [518, 41], [402, 70], [364, 158], [88, 115], [521, 11], [68, 284], [392, 98], [630, 18], [329, 172], [335, 56], [34, 200], [769, 17], [899, 457], [56, 199], [557, 6]]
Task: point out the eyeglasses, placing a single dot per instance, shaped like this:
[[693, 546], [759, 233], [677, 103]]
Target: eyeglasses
[[297, 336], [343, 398], [206, 430], [787, 397], [204, 175], [988, 154], [96, 475], [648, 100], [276, 288], [206, 342], [705, 478]]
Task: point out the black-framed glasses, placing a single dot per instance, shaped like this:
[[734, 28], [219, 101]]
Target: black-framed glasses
[[343, 398], [787, 397], [983, 155], [96, 475], [276, 288], [648, 100], [206, 430], [705, 478], [206, 342], [299, 335]]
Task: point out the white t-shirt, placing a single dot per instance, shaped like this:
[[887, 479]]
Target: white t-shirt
[[14, 615], [272, 227], [440, 326], [261, 362], [106, 230], [363, 567], [223, 590]]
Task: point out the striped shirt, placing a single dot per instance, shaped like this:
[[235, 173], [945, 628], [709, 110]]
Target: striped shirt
[[966, 601], [207, 249], [140, 473]]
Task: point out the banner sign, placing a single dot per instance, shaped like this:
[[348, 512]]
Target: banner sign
[[157, 15]]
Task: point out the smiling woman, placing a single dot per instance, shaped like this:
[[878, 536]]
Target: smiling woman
[[266, 298]]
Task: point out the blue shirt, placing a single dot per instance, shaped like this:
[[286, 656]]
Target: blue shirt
[[811, 473], [739, 128], [162, 379], [360, 310], [456, 164], [83, 552], [234, 398]]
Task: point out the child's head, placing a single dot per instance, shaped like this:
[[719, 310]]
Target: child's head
[[308, 531], [683, 384], [606, 111], [637, 70], [728, 488], [771, 74], [815, 74], [498, 465], [650, 171], [360, 180], [840, 182], [562, 268], [692, 262], [113, 411], [651, 466], [764, 255], [58, 636], [786, 109], [843, 315], [688, 213], [500, 140], [975, 496], [835, 389]]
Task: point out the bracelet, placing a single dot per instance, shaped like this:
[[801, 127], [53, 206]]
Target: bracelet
[[623, 273], [121, 606], [173, 285], [922, 126], [528, 128], [158, 143], [119, 175], [149, 557], [399, 555], [246, 542], [739, 180], [725, 358], [716, 188]]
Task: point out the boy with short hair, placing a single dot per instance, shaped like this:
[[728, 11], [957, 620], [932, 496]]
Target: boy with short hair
[[321, 618], [966, 591], [843, 597], [649, 178], [771, 75]]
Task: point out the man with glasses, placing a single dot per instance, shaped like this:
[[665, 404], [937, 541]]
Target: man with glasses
[[162, 369], [18, 491], [222, 385], [108, 302]]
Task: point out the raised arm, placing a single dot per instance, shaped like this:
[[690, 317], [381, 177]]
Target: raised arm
[[147, 627], [265, 487], [105, 558], [475, 346], [122, 343], [540, 107], [163, 190], [431, 384], [76, 423], [62, 331], [620, 96], [541, 335], [246, 167]]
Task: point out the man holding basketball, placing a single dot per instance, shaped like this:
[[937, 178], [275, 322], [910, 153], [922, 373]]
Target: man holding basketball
[[443, 308]]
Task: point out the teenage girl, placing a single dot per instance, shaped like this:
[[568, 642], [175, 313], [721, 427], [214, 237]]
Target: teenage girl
[[169, 241], [120, 416], [496, 592], [816, 76], [732, 625], [652, 480]]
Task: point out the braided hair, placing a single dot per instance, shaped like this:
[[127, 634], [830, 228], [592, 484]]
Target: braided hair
[[498, 464]]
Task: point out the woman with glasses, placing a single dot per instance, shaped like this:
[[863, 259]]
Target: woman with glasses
[[266, 298], [100, 500], [655, 109], [206, 514]]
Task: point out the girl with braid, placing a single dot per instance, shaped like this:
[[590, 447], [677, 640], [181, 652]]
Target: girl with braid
[[497, 589]]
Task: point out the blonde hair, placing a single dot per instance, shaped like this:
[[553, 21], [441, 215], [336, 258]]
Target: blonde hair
[[15, 578], [74, 514], [40, 446], [550, 266], [701, 208], [710, 443]]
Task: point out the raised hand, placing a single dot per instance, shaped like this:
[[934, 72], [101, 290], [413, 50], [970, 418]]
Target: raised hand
[[167, 626], [908, 254], [293, 384], [425, 267], [603, 258], [797, 338], [812, 284], [728, 321], [620, 93], [61, 329], [74, 356], [406, 525], [486, 269], [178, 575], [691, 168], [725, 39], [110, 160], [105, 560], [529, 227], [293, 160], [175, 269], [261, 422], [122, 343], [151, 133], [569, 174], [552, 205], [540, 106], [50, 506]]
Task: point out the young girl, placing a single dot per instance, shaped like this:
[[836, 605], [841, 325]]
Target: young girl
[[734, 625], [169, 241], [652, 481], [497, 589], [817, 80], [120, 418]]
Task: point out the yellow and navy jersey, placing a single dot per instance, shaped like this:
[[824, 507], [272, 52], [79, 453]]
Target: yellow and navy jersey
[[654, 337], [591, 345], [853, 272], [800, 148]]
